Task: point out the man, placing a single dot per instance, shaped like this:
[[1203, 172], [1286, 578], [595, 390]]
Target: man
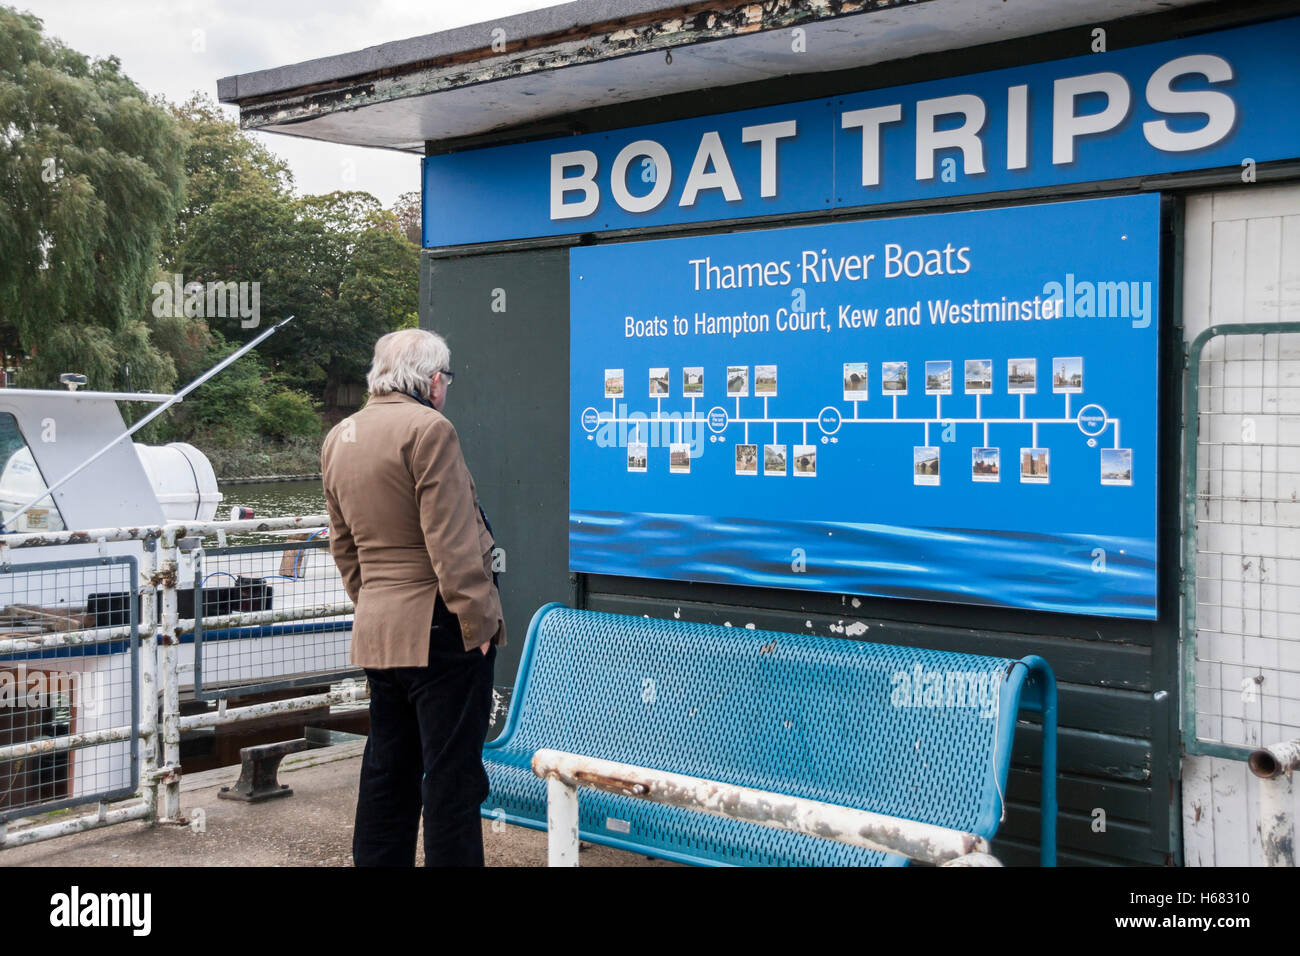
[[409, 539]]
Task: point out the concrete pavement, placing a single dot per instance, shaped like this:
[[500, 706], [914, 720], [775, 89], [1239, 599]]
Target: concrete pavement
[[311, 828]]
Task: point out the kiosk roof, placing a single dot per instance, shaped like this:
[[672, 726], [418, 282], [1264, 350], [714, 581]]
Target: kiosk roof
[[587, 54]]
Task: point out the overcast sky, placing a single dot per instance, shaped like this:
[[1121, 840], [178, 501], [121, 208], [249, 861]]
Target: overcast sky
[[175, 48]]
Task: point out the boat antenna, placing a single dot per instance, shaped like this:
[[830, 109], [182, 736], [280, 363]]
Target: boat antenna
[[232, 357]]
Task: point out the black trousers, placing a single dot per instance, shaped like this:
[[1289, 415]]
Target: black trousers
[[427, 729]]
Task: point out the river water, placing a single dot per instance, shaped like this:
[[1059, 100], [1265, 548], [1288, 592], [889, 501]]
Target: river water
[[274, 499]]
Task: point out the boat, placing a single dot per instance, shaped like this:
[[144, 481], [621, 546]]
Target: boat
[[86, 585]]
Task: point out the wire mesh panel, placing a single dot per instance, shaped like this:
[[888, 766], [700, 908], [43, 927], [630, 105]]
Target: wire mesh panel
[[51, 689], [1242, 670], [285, 579]]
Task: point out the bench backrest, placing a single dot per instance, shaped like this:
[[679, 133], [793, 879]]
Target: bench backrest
[[905, 731]]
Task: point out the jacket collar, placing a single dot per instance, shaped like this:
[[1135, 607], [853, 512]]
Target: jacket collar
[[390, 398]]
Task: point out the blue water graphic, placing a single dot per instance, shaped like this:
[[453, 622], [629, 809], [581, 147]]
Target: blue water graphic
[[1047, 572]]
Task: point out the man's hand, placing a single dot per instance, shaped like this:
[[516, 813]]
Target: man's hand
[[483, 648]]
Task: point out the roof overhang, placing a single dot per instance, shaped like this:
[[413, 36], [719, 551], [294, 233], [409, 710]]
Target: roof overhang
[[588, 54]]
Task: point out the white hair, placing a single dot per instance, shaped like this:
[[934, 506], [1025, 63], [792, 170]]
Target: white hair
[[406, 360]]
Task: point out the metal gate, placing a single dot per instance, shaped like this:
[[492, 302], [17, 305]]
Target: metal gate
[[303, 641], [69, 684], [1241, 539]]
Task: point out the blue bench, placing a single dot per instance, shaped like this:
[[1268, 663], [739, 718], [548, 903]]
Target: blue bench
[[908, 732]]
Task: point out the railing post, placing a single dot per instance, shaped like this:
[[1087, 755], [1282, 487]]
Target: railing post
[[561, 823], [151, 753], [167, 641], [1274, 766]]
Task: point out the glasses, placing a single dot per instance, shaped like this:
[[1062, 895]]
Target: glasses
[[448, 376]]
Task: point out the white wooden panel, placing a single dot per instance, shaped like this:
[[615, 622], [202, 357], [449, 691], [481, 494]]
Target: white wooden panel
[[1256, 201], [1227, 274], [1221, 813], [1198, 812], [1198, 217], [1231, 816], [1289, 284], [1242, 264]]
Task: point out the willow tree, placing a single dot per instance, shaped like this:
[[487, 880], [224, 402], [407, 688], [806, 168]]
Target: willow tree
[[91, 178]]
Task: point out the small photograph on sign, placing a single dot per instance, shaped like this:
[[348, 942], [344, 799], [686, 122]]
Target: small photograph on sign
[[765, 380], [1022, 376], [1034, 466], [613, 383], [805, 461], [893, 378], [1117, 466], [925, 465], [979, 376], [855, 382], [938, 378], [774, 460], [747, 459], [693, 381], [636, 456], [986, 464], [1067, 375], [658, 382], [679, 459], [737, 381]]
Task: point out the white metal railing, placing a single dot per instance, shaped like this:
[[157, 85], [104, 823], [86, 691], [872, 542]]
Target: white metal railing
[[565, 773], [160, 776]]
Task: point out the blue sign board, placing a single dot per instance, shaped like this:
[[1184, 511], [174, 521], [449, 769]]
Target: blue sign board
[[1215, 100], [957, 407]]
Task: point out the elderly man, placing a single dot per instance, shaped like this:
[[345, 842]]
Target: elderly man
[[414, 550]]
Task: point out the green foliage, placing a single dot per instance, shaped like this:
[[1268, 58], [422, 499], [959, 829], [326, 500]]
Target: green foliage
[[260, 456], [339, 262], [409, 212], [225, 407], [220, 162], [103, 193], [92, 175], [187, 341], [109, 358], [289, 414]]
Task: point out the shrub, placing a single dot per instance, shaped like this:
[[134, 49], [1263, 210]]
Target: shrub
[[289, 414]]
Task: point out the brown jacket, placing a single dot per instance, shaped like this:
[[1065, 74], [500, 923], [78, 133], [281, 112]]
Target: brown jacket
[[405, 526]]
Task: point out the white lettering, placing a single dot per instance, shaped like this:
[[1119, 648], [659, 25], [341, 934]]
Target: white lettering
[[712, 152], [1067, 126], [1219, 109], [585, 183], [766, 136], [663, 176], [964, 137], [1018, 127], [870, 121]]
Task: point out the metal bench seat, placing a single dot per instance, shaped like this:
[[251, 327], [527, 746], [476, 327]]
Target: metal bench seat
[[920, 734]]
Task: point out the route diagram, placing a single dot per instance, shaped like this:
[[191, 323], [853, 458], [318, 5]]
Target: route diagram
[[1091, 419]]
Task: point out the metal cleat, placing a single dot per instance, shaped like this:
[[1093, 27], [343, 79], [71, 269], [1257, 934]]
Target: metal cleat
[[258, 768]]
